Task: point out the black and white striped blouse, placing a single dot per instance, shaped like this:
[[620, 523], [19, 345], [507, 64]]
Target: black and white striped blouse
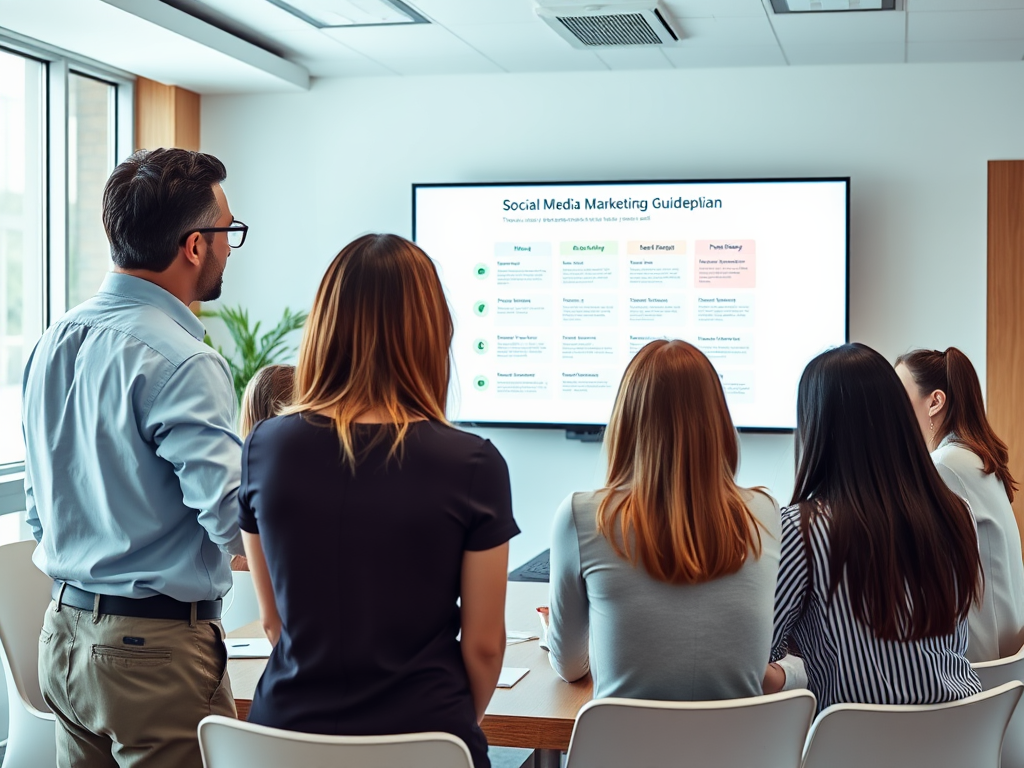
[[845, 662]]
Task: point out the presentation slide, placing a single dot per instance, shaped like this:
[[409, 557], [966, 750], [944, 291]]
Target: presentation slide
[[555, 287]]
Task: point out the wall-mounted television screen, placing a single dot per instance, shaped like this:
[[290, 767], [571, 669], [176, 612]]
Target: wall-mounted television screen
[[555, 286]]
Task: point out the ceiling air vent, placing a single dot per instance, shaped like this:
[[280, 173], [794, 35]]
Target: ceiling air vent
[[592, 26]]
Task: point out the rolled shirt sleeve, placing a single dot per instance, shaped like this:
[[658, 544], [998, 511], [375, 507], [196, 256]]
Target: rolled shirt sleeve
[[192, 421]]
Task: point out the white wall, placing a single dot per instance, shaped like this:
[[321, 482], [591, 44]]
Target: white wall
[[310, 171]]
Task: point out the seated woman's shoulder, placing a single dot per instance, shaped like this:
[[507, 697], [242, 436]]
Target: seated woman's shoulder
[[760, 502], [958, 457], [763, 507], [759, 496]]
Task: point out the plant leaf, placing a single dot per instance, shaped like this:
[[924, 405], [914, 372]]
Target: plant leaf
[[253, 351]]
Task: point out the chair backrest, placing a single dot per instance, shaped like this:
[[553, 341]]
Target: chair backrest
[[766, 731], [24, 597], [959, 734], [242, 607], [226, 743], [993, 674]]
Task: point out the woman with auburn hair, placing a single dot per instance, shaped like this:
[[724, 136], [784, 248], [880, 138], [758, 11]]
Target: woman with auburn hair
[[879, 558], [669, 570], [366, 517], [946, 396]]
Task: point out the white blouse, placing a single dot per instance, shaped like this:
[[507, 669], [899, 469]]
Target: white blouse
[[997, 625]]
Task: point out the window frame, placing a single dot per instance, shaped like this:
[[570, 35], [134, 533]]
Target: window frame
[[60, 65]]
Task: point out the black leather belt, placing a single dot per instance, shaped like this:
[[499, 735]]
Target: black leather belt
[[155, 607]]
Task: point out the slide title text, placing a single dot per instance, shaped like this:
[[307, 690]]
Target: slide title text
[[611, 203]]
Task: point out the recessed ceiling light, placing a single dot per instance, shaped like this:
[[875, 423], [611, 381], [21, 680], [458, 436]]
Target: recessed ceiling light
[[328, 14], [828, 6]]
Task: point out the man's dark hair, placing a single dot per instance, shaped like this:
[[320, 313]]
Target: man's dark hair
[[153, 199]]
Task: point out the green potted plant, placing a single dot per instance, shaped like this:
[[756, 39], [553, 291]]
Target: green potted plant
[[252, 350]]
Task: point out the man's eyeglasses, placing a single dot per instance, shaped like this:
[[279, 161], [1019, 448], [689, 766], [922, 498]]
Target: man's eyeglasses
[[236, 233]]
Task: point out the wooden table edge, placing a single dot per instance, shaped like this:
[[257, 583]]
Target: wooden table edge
[[537, 732]]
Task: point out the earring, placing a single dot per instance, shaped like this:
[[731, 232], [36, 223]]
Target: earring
[[931, 425]]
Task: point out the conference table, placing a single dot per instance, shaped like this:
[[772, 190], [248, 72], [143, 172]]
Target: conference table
[[538, 712]]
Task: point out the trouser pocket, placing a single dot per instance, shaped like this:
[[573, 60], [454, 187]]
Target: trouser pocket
[[131, 657]]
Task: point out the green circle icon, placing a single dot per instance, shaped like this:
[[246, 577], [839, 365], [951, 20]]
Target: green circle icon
[[481, 271], [480, 308], [480, 383], [480, 346]]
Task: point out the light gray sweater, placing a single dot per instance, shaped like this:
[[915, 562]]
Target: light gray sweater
[[642, 638]]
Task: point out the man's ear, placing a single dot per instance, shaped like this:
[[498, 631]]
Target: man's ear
[[193, 250]]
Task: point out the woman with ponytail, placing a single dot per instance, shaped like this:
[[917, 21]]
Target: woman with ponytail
[[946, 396], [662, 581]]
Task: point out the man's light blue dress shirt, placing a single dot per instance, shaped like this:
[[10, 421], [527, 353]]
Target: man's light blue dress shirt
[[132, 464]]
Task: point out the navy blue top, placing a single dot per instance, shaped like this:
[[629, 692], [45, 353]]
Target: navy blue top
[[366, 571]]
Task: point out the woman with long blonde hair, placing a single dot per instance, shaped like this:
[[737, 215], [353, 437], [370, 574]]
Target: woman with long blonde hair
[[662, 582], [366, 518]]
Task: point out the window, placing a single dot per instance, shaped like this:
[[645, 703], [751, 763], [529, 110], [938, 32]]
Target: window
[[22, 153], [91, 157], [64, 124]]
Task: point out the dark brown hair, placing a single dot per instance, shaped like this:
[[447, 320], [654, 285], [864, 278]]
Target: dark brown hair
[[672, 446], [153, 199], [902, 541], [951, 371], [265, 395], [379, 336]]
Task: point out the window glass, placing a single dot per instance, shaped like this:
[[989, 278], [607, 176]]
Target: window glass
[[22, 156], [91, 133]]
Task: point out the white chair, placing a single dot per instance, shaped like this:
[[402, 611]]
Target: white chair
[[961, 734], [762, 731], [4, 712], [24, 596], [993, 674], [241, 605], [228, 743]]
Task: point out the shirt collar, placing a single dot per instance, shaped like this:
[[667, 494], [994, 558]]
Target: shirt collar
[[947, 440], [141, 290]]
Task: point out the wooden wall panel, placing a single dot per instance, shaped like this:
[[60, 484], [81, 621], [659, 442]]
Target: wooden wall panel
[[186, 119], [1005, 365], [165, 116]]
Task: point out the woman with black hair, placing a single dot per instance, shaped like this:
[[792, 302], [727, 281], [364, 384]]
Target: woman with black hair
[[946, 396], [880, 560]]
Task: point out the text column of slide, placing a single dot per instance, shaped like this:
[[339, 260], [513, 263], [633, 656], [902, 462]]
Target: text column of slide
[[725, 276]]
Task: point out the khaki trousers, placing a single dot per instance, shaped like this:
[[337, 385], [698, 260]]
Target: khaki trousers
[[131, 692]]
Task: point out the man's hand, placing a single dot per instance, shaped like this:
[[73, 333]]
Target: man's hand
[[239, 563]]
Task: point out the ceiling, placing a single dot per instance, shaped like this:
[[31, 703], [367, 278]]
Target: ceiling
[[481, 36], [232, 46]]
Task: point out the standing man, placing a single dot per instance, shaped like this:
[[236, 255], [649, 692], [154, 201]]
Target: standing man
[[132, 471]]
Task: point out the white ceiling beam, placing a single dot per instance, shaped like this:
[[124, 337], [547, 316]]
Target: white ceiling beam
[[156, 41]]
